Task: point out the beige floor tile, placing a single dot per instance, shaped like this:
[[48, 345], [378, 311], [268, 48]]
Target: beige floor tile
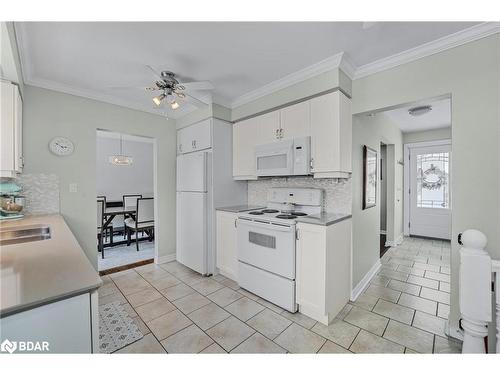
[[444, 287], [165, 282], [404, 287], [367, 342], [177, 291], [343, 313], [154, 309], [175, 268], [144, 296], [443, 310], [437, 276], [270, 305], [410, 337], [213, 349], [224, 296], [258, 343], [244, 308], [430, 323], [230, 284], [367, 320], [418, 303], [435, 295], [380, 280], [106, 279], [155, 274], [141, 325], [107, 289], [141, 270], [445, 270], [269, 323], [410, 351], [422, 281], [130, 311], [247, 294], [190, 278], [191, 302], [332, 348], [114, 297], [230, 333], [207, 286], [446, 345], [366, 301], [390, 295], [117, 275], [297, 339], [426, 266], [168, 324], [401, 276], [131, 283], [338, 331], [148, 344], [300, 319], [189, 340], [219, 278], [394, 311], [208, 316]]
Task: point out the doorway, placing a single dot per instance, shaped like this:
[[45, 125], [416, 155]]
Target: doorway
[[383, 199], [125, 176]]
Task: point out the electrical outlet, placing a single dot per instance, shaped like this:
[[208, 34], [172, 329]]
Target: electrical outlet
[[73, 187]]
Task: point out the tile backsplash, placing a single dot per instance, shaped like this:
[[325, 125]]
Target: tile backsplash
[[337, 192], [41, 192]]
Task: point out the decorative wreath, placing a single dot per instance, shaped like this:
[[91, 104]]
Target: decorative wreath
[[433, 178]]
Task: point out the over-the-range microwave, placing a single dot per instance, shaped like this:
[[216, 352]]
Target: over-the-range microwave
[[287, 157]]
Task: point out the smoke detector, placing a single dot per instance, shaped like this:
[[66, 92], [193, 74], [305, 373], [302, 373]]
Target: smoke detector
[[420, 110]]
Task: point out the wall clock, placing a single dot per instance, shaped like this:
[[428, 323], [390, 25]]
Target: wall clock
[[61, 146]]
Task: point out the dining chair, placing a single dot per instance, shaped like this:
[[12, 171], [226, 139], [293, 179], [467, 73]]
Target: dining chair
[[103, 197], [129, 200], [101, 204], [144, 221]]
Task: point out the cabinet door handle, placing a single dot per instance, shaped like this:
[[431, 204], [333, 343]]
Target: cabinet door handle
[[194, 142], [312, 164], [235, 224], [281, 133], [180, 147], [276, 133], [297, 234]]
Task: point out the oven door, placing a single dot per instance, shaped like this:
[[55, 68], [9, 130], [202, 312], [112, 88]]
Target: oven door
[[274, 159], [270, 247]]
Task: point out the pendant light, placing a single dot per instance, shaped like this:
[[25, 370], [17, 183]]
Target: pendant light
[[121, 159]]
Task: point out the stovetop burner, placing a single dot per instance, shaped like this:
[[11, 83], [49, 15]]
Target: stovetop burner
[[256, 213], [270, 211], [298, 213], [286, 216]]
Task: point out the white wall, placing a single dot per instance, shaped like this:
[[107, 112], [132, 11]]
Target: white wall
[[370, 131], [471, 75], [49, 113], [427, 135], [113, 181]]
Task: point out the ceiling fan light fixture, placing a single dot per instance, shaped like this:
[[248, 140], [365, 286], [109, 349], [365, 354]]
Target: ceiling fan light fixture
[[420, 110], [157, 99], [174, 105]]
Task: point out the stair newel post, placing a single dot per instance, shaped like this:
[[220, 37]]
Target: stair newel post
[[474, 290]]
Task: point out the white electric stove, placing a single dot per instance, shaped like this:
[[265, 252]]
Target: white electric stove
[[266, 244]]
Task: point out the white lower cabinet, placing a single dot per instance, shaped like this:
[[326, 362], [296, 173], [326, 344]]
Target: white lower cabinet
[[68, 326], [323, 278], [227, 256]]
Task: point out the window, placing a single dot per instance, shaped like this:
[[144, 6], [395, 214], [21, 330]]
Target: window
[[433, 186]]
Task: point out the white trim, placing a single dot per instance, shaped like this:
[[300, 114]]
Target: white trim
[[396, 242], [325, 65], [165, 258], [406, 177], [365, 281], [439, 45]]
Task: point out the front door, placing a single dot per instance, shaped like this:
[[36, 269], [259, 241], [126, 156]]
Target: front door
[[430, 210]]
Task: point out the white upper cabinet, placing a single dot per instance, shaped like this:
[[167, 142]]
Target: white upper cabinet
[[194, 137], [11, 161], [331, 135], [296, 120], [326, 119]]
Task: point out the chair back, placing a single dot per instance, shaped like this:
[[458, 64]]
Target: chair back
[[130, 200], [102, 198], [100, 212], [145, 210]]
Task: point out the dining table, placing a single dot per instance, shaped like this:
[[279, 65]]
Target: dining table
[[110, 213]]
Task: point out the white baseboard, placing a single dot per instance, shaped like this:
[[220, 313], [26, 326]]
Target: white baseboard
[[165, 258], [397, 242], [365, 280]]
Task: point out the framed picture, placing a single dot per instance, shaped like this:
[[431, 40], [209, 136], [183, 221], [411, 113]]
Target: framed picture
[[369, 177]]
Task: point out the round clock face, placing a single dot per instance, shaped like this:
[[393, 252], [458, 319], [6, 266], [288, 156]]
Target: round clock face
[[61, 146]]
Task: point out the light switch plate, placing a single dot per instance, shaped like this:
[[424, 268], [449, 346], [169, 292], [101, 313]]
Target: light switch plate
[[73, 187]]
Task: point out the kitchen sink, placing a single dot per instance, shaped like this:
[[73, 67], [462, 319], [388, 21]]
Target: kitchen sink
[[27, 233]]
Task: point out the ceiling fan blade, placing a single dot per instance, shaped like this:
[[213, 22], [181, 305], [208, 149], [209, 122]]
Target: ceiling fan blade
[[199, 85], [192, 100], [155, 73], [131, 88]]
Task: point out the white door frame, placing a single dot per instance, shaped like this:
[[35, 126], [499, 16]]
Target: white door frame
[[406, 177]]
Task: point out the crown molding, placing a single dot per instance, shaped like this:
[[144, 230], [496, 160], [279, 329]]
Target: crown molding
[[325, 65], [439, 45]]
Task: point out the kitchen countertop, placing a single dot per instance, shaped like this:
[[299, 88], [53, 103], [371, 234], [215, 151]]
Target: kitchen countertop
[[325, 218], [240, 208], [40, 272]]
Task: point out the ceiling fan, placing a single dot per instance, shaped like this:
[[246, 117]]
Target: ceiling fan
[[172, 91]]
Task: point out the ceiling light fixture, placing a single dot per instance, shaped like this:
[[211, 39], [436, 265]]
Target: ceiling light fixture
[[174, 104], [121, 159], [157, 99], [420, 110]]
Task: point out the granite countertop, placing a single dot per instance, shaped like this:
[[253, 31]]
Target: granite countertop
[[325, 218], [240, 208], [40, 272]]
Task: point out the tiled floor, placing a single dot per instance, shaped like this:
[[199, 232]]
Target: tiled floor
[[121, 255], [403, 310]]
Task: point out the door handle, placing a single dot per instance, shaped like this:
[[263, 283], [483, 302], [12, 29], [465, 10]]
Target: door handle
[[281, 133], [276, 133], [194, 143]]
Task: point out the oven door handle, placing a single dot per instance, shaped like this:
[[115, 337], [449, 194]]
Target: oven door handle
[[268, 226]]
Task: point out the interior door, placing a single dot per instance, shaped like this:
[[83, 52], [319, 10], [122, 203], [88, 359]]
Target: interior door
[[191, 230], [430, 189]]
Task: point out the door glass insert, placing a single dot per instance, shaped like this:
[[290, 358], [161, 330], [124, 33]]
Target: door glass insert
[[433, 180]]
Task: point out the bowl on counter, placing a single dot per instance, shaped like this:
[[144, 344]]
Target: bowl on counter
[[11, 204]]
